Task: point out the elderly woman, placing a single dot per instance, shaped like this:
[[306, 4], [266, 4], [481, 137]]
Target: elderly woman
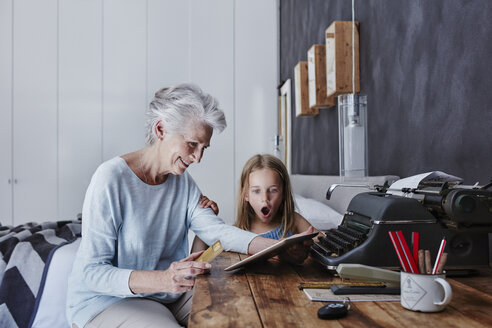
[[132, 268]]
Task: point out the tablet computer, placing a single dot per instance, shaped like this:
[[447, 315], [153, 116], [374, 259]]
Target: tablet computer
[[271, 251]]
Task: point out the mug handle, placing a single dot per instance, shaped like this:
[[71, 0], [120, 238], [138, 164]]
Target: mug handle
[[448, 292]]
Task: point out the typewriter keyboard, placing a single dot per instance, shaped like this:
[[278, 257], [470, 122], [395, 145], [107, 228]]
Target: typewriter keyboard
[[341, 240]]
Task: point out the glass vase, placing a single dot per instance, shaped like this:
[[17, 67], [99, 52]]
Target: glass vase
[[352, 129]]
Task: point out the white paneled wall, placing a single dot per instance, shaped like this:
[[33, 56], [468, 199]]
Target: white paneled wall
[[212, 66], [80, 100], [76, 78], [35, 108], [6, 111], [124, 76], [169, 44], [256, 79]]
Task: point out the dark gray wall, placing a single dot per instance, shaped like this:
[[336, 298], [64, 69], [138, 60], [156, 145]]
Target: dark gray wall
[[426, 68]]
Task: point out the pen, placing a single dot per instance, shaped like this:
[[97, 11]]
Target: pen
[[439, 255]]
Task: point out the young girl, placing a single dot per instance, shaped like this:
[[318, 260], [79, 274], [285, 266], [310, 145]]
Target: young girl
[[265, 202]]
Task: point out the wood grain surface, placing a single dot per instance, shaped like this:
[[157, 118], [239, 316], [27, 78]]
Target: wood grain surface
[[266, 295], [222, 299]]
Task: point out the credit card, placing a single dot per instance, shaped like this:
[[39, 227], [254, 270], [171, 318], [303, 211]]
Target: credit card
[[211, 252]]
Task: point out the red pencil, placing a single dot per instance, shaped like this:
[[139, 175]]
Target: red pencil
[[398, 250], [415, 246], [406, 252]]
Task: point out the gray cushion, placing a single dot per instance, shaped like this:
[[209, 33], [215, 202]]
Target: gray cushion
[[316, 186]]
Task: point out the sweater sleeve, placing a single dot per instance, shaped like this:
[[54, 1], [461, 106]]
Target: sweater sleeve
[[210, 228], [100, 224]]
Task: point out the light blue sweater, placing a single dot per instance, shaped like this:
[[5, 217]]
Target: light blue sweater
[[130, 225]]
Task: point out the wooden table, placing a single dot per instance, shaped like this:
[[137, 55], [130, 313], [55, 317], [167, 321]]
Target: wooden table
[[267, 296]]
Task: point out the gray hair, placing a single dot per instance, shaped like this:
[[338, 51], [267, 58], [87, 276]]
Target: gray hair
[[180, 106]]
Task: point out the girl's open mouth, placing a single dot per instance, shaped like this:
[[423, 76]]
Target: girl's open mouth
[[265, 210]]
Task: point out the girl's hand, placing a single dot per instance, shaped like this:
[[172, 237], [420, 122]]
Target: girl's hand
[[180, 277], [207, 203], [299, 252]]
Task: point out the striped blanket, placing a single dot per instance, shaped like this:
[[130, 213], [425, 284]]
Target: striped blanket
[[25, 254]]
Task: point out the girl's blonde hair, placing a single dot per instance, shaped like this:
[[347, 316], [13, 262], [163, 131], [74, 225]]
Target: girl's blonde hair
[[245, 213]]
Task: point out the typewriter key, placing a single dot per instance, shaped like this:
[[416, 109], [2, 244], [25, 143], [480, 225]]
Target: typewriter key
[[333, 311]]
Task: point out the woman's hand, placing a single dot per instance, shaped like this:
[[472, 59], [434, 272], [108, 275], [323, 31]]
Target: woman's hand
[[178, 278], [207, 203], [181, 275], [299, 252]]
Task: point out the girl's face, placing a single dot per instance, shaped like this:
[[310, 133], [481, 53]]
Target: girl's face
[[265, 194]]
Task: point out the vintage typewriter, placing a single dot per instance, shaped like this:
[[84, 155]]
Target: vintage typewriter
[[437, 208]]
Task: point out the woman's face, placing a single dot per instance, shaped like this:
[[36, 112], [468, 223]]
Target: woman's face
[[181, 150], [265, 193]]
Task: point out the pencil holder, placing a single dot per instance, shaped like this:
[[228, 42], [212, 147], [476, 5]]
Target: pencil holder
[[424, 292]]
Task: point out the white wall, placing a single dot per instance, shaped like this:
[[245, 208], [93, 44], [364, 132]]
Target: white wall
[[76, 78], [212, 66], [256, 68], [6, 182], [35, 108], [80, 104]]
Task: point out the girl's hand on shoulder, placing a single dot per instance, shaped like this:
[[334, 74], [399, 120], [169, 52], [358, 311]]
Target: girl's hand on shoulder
[[208, 203], [180, 276]]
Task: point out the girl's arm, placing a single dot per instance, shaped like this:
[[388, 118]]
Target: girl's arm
[[198, 245], [297, 253], [301, 224]]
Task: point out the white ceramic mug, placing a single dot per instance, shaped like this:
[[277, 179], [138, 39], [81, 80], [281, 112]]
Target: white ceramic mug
[[424, 292]]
